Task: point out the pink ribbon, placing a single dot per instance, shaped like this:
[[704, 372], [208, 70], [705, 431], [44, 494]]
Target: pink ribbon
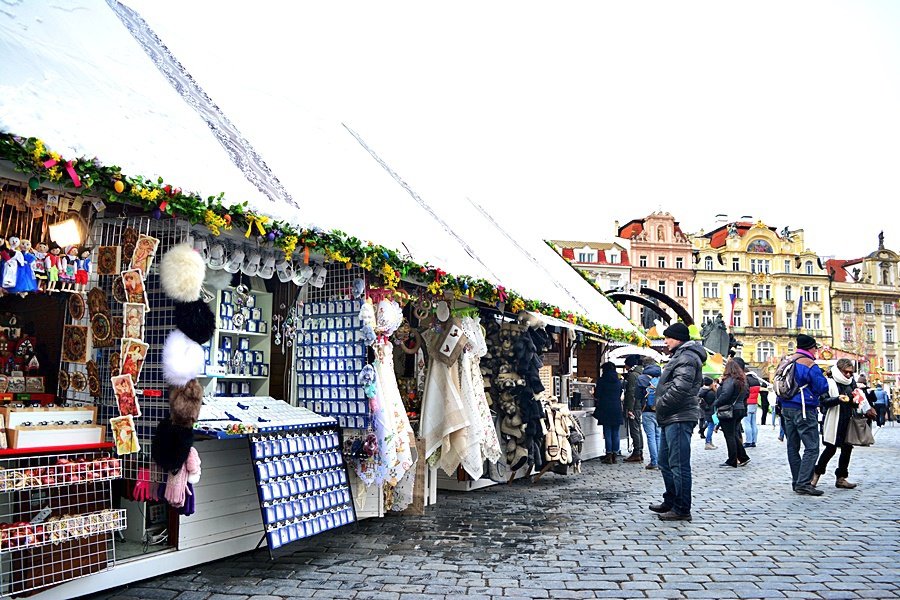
[[501, 293], [69, 167]]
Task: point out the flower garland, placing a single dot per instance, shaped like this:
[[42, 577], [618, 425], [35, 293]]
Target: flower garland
[[31, 157]]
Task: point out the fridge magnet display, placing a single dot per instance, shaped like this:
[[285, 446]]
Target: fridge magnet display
[[34, 385], [133, 281], [123, 388], [109, 260], [78, 381], [118, 290], [144, 253], [76, 307], [133, 359], [97, 301], [133, 320], [125, 435], [16, 384], [63, 380], [101, 328], [75, 344], [129, 241]]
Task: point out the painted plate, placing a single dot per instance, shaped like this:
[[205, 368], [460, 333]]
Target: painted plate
[[63, 380], [78, 381]]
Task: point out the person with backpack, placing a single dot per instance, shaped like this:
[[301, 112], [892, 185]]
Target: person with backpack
[[707, 405], [731, 407], [798, 382], [880, 404], [608, 410], [646, 391], [632, 408], [677, 412]]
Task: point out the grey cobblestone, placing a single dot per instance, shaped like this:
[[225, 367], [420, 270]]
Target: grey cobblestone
[[591, 537]]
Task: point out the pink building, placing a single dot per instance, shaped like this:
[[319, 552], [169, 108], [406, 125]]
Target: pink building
[[661, 259]]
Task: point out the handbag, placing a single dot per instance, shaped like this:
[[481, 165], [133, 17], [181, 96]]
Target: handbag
[[859, 433], [725, 412]]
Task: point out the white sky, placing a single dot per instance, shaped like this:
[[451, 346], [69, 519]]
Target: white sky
[[565, 116]]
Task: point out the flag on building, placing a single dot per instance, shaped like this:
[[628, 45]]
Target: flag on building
[[800, 313], [733, 298]]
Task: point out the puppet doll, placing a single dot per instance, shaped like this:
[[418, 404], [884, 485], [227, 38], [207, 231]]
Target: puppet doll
[[69, 268], [12, 261], [53, 262], [84, 270], [40, 265]]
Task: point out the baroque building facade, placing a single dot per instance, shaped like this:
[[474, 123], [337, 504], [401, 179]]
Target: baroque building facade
[[766, 285], [864, 296], [607, 263]]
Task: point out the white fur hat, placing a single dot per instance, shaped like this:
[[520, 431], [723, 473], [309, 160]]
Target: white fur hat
[[181, 273], [182, 359]]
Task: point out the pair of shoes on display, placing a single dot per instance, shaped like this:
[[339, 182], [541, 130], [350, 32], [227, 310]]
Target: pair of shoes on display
[[652, 466], [635, 458], [711, 446], [843, 484], [808, 490], [674, 516]]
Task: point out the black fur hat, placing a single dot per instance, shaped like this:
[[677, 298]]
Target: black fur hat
[[195, 320], [171, 445]]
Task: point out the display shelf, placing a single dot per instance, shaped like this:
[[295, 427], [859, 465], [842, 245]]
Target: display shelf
[[252, 377], [224, 332], [15, 452], [58, 475], [29, 536]]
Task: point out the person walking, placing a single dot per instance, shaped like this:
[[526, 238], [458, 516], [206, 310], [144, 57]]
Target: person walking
[[881, 404], [647, 384], [754, 384], [632, 409], [764, 406], [838, 405], [677, 411], [798, 412], [731, 407], [608, 410], [708, 407]]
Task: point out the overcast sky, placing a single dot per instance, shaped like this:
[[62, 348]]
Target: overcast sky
[[566, 116]]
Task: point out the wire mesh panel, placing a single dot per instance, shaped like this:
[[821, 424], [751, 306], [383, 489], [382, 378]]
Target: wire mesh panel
[[57, 519], [159, 321], [330, 350]]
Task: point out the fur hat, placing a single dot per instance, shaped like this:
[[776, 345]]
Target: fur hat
[[182, 359], [216, 279], [196, 320], [171, 445], [184, 403], [677, 331], [181, 273]]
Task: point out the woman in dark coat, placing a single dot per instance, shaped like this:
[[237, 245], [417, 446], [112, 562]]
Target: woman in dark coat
[[733, 391], [608, 409], [838, 406]]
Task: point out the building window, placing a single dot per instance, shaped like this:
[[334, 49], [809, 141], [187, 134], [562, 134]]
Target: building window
[[760, 291], [870, 307], [846, 306], [848, 333], [889, 335], [710, 290], [789, 320], [889, 364], [708, 262], [812, 321], [614, 258], [642, 261], [661, 262], [809, 267], [585, 257], [790, 347], [679, 263], [679, 289], [764, 351], [870, 334], [787, 265], [888, 308], [736, 290], [710, 315], [661, 286], [735, 264], [759, 265], [763, 318], [738, 322], [644, 283], [810, 293], [788, 293]]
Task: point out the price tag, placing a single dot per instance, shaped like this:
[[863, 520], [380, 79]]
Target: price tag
[[41, 516]]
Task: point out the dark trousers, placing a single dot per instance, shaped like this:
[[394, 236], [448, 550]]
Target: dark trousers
[[843, 461], [881, 409], [731, 430], [801, 430], [675, 465], [764, 407], [636, 433]]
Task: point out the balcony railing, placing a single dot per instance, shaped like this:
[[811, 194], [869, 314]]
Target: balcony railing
[[762, 301]]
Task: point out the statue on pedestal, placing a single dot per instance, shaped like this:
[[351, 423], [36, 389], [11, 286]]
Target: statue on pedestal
[[715, 336]]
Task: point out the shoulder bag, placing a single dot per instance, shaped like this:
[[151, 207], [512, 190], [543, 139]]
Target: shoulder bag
[[859, 433]]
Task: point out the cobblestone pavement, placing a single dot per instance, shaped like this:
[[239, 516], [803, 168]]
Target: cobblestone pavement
[[593, 537]]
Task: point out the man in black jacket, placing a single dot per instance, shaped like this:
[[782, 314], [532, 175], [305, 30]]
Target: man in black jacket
[[632, 408], [677, 411]]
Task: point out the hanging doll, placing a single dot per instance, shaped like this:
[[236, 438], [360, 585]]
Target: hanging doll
[[53, 262], [40, 265], [26, 282], [68, 268], [12, 261], [83, 271], [181, 273]]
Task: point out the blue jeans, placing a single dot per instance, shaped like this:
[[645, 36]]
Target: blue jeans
[[751, 428], [806, 430], [648, 420], [675, 465], [710, 428], [611, 435]]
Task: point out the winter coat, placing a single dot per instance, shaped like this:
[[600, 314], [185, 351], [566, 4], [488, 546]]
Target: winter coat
[[845, 411], [608, 410], [649, 372], [731, 393], [754, 385], [707, 402], [881, 396], [808, 373], [676, 394], [632, 402]]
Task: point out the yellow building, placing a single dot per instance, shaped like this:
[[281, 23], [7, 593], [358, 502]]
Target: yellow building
[[775, 283]]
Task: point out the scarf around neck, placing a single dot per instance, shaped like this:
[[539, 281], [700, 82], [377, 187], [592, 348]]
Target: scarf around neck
[[840, 377]]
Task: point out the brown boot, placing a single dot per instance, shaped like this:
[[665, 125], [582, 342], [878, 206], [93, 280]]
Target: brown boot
[[814, 480], [612, 458], [844, 484], [635, 458], [607, 459]]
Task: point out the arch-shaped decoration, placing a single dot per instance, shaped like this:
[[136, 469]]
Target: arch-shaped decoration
[[625, 297], [681, 311]]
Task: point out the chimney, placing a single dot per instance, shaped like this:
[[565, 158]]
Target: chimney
[[721, 218], [617, 228], [747, 218]]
